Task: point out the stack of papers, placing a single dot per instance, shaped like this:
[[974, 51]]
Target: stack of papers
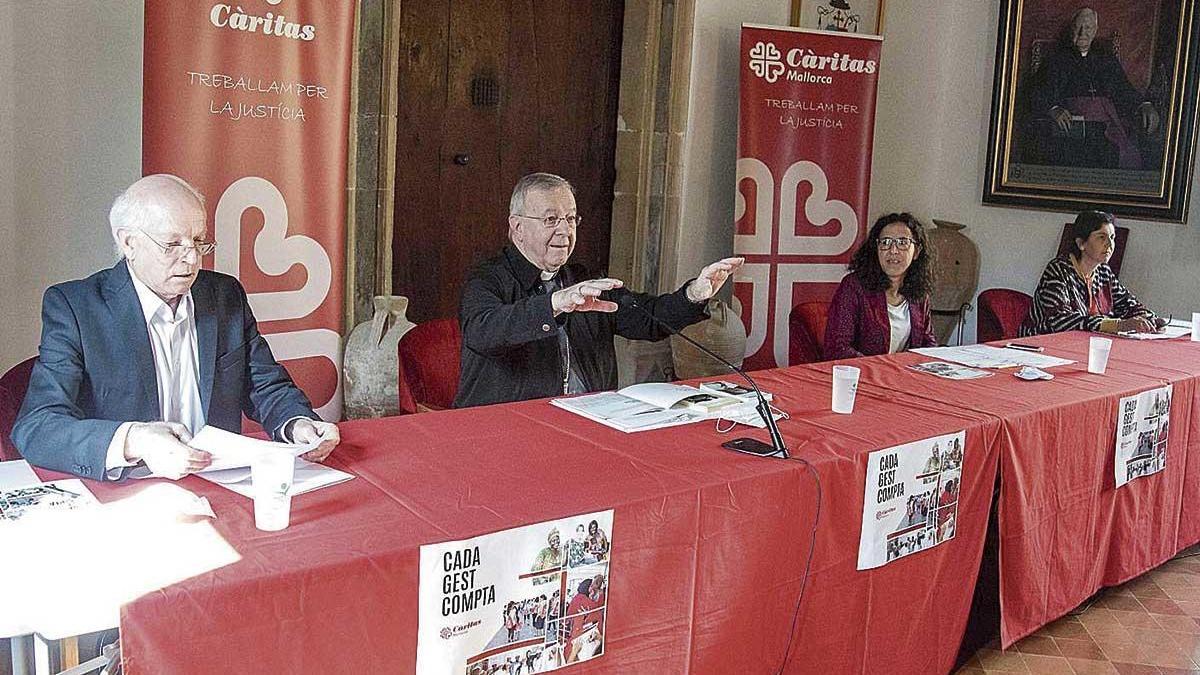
[[309, 477], [986, 356], [233, 453], [1173, 329]]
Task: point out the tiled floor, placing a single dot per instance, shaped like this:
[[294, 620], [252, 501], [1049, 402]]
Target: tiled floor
[[1148, 626]]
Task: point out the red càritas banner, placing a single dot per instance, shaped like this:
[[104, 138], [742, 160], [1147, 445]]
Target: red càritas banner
[[805, 134], [249, 102]]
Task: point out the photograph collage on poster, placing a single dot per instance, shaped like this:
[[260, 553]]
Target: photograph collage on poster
[[910, 502]]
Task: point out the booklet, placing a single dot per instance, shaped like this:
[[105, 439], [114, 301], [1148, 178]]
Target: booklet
[[656, 405]]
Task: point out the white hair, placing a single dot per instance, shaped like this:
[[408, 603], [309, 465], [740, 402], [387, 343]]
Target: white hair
[[535, 182], [144, 202]]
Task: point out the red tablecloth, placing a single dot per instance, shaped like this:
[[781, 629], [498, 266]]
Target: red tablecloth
[[1065, 530], [709, 546]]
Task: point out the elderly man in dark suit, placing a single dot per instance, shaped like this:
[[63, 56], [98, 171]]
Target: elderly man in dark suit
[[136, 358]]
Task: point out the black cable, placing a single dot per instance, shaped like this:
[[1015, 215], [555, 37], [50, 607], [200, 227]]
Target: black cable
[[812, 546]]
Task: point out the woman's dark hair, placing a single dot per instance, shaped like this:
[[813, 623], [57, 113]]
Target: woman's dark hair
[[918, 280], [1085, 224]]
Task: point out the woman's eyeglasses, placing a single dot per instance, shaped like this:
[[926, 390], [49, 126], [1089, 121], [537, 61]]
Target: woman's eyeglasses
[[898, 243]]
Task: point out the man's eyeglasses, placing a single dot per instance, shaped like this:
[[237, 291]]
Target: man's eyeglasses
[[177, 250], [553, 221], [898, 243]]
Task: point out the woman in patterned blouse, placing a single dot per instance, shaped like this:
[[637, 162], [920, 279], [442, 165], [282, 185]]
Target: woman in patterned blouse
[[1079, 291]]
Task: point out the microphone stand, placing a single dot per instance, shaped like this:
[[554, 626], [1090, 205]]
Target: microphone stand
[[763, 408]]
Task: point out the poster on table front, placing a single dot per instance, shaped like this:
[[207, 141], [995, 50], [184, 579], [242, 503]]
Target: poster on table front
[[527, 600], [250, 103], [1142, 430], [806, 125], [911, 498]]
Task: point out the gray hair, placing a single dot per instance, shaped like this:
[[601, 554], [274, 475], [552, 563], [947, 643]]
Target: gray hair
[[540, 182], [139, 205]]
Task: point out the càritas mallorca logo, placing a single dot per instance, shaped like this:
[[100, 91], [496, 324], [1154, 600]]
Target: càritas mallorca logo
[[767, 62]]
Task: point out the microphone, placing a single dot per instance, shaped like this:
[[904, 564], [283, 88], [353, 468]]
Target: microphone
[[764, 409]]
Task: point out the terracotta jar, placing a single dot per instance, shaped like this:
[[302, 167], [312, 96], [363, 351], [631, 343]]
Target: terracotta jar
[[369, 364], [956, 270]]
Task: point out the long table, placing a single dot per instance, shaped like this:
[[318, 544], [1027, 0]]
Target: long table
[[709, 546], [1066, 531]]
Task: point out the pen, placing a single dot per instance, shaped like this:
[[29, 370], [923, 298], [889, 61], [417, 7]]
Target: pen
[[1024, 348], [51, 486]]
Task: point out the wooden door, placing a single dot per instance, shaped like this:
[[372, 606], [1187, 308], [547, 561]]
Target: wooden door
[[490, 90]]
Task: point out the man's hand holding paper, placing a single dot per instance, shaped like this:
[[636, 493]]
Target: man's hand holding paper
[[234, 451], [324, 434], [163, 446]]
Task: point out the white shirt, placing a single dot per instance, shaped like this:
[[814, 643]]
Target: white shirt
[[901, 323], [176, 366]]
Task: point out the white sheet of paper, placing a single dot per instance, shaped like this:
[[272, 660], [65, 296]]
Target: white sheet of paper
[[1173, 330], [309, 476], [232, 451], [147, 540], [987, 356], [16, 473]]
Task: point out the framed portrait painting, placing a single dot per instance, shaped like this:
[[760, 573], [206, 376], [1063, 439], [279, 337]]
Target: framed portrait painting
[[845, 16], [1094, 106]]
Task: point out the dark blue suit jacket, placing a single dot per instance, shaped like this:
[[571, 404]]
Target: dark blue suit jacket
[[95, 369]]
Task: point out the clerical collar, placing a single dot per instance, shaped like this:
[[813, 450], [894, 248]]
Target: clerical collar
[[547, 276]]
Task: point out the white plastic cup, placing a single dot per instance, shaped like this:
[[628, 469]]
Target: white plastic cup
[[1195, 326], [1098, 350], [272, 474], [845, 386]]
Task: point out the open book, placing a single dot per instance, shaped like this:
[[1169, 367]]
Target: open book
[[655, 405]]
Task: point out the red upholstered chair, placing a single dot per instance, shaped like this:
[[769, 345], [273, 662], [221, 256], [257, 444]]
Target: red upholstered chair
[[1001, 311], [12, 393], [806, 336], [1066, 244], [429, 356]]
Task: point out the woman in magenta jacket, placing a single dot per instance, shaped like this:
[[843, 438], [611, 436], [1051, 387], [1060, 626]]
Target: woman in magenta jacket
[[882, 306]]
